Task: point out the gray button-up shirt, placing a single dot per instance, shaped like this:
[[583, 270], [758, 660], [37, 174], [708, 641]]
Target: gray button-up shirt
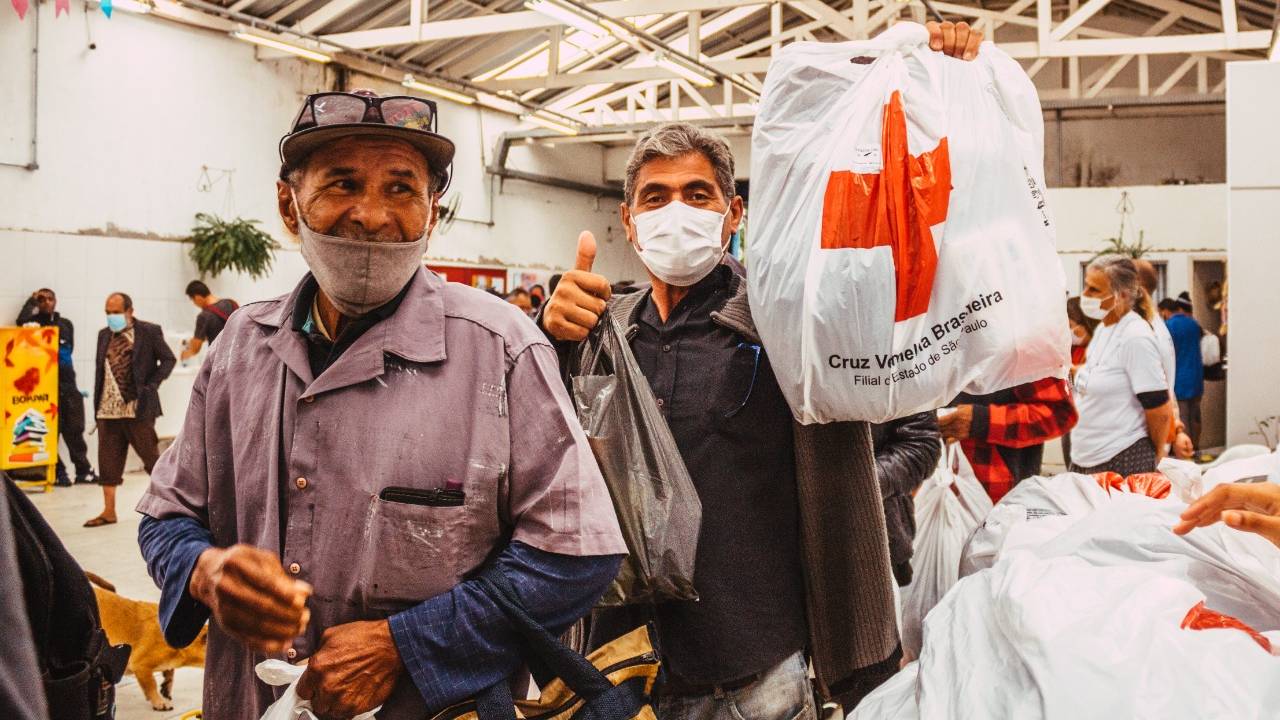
[[456, 389]]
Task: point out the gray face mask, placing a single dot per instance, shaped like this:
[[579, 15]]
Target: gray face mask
[[359, 276]]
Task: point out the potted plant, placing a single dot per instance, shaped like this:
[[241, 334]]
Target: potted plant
[[218, 245]]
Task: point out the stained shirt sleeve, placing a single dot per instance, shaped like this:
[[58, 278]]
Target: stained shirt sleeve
[[175, 527], [459, 643], [171, 548], [555, 497]]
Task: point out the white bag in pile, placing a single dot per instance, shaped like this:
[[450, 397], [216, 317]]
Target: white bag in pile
[[901, 251], [949, 506]]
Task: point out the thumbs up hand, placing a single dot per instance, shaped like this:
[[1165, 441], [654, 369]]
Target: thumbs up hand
[[579, 299]]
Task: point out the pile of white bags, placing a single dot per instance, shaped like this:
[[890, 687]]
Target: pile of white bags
[[949, 507], [901, 250], [1087, 623]]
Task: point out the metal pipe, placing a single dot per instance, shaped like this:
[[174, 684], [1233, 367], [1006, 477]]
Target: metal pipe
[[499, 168], [35, 99]]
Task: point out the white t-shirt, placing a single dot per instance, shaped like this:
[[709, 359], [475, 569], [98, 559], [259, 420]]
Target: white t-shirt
[[1123, 361], [1168, 358]]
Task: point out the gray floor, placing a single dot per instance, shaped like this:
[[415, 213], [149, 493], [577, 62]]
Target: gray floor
[[112, 552]]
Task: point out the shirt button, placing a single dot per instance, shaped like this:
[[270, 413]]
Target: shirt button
[[309, 399], [291, 653], [660, 402], [666, 348], [301, 483], [295, 568]]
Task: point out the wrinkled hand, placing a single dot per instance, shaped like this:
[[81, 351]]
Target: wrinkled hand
[[957, 40], [1252, 507], [251, 596], [956, 425], [1183, 449], [353, 672], [580, 298]]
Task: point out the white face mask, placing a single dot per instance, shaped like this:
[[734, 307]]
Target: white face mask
[[680, 244], [359, 276], [1092, 307]]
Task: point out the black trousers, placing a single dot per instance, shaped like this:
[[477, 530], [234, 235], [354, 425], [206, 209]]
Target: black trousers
[[71, 430]]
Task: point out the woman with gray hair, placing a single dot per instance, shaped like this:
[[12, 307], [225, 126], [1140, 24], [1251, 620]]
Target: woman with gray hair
[[1121, 391]]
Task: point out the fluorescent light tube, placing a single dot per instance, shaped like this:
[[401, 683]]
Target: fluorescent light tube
[[282, 46], [684, 71], [568, 15], [560, 127], [133, 6], [446, 93]]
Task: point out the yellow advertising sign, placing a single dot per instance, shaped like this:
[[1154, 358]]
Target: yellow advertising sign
[[29, 392]]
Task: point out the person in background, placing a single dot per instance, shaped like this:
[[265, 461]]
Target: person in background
[[41, 309], [521, 299], [1082, 328], [1121, 391], [1003, 433], [214, 312], [1251, 507], [537, 296], [1188, 386], [133, 359], [907, 452], [1178, 440], [1167, 308], [551, 285], [374, 401]]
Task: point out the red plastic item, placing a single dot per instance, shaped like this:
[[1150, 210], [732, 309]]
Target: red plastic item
[[1202, 618], [896, 207], [1154, 485]]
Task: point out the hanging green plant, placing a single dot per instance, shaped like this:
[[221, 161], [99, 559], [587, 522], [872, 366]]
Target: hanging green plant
[[218, 245]]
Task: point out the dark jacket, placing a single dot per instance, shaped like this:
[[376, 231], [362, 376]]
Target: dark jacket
[[66, 340], [152, 363], [907, 452], [848, 597]]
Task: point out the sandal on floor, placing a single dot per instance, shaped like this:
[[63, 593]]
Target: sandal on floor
[[99, 522]]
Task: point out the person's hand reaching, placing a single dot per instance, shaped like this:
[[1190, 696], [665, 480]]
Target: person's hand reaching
[[1252, 507]]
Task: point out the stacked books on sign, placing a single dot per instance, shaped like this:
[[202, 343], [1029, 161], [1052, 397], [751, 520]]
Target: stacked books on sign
[[29, 438]]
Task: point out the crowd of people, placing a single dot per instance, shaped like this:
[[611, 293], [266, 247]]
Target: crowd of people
[[131, 360], [378, 438]]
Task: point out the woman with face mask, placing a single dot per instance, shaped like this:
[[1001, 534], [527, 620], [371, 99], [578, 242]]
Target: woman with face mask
[[1082, 328], [1121, 390]]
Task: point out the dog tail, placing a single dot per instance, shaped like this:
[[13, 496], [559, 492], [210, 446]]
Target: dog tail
[[99, 581]]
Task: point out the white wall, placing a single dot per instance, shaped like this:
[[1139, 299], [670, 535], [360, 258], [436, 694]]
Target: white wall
[[1181, 223], [1253, 176]]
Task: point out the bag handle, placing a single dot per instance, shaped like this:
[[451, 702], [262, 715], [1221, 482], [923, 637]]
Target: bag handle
[[602, 700]]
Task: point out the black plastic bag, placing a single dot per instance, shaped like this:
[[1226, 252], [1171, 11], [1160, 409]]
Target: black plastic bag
[[657, 505]]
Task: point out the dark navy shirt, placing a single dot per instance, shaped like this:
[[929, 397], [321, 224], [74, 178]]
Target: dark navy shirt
[[734, 430]]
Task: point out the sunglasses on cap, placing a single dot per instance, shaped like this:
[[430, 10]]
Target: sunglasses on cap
[[339, 108]]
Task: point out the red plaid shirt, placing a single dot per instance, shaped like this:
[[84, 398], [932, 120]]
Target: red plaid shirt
[[1040, 411]]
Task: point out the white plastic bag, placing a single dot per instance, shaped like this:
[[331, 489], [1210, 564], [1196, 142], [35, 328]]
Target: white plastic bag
[[949, 506], [901, 250], [1088, 625], [1210, 350], [289, 707]]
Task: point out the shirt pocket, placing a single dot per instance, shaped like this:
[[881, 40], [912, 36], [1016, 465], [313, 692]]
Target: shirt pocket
[[738, 381], [410, 551]]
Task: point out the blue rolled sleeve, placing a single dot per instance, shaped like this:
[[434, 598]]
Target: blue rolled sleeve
[[171, 548], [459, 643]]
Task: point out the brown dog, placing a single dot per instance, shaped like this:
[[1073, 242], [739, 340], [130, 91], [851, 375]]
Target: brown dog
[[137, 624]]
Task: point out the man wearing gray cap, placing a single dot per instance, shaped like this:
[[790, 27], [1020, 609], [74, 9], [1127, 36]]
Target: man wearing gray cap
[[355, 450]]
